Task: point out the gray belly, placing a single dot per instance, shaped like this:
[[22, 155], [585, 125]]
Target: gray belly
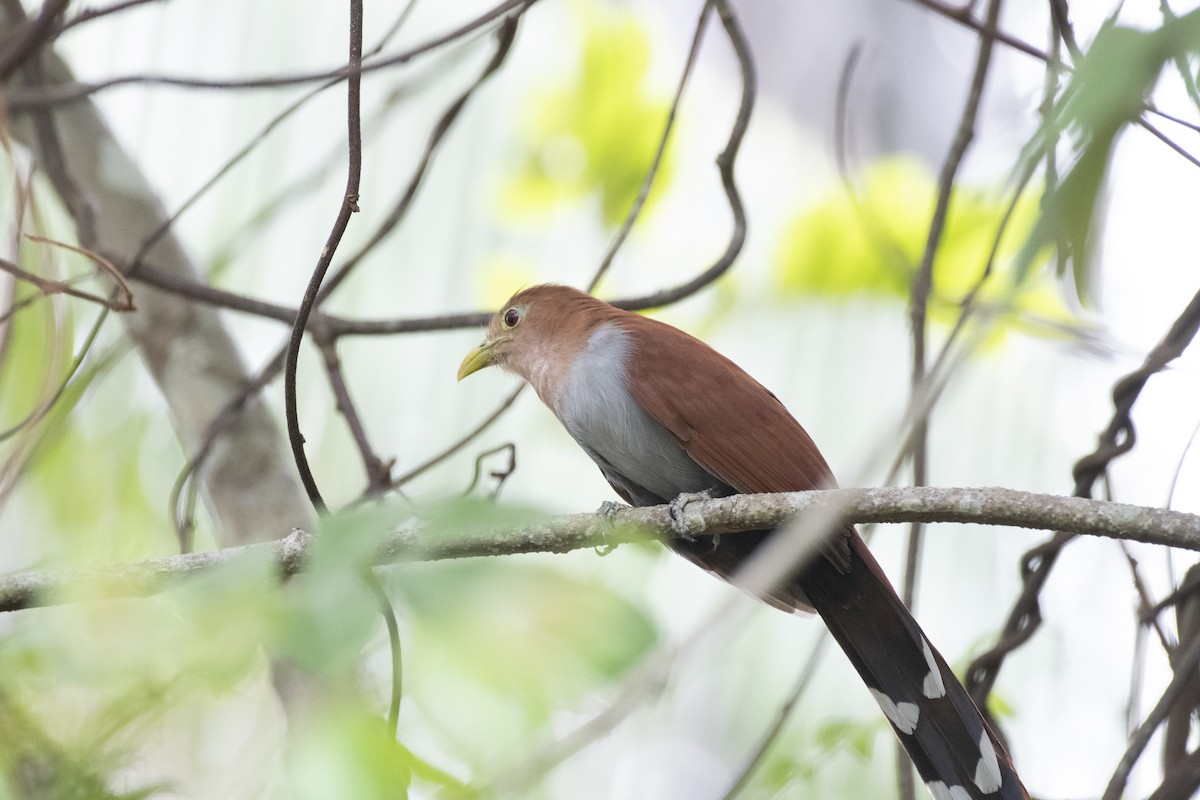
[[633, 451]]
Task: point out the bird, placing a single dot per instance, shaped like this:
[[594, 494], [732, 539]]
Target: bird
[[665, 417]]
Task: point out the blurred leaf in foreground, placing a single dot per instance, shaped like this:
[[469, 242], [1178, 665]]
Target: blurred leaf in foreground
[[328, 611], [499, 647], [347, 751]]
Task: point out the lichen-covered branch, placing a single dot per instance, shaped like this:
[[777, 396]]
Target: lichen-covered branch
[[724, 516]]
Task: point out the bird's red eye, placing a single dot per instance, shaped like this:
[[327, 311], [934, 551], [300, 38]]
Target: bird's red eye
[[511, 317]]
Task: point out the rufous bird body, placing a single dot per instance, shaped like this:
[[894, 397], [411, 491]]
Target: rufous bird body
[[664, 415]]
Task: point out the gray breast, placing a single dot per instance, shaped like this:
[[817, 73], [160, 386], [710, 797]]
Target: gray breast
[[633, 451]]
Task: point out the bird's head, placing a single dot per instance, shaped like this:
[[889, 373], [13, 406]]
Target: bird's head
[[537, 334], [507, 333]]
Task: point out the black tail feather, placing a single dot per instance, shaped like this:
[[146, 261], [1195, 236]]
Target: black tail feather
[[953, 748]]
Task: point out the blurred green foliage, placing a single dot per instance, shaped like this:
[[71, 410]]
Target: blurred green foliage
[[347, 751], [1106, 94], [596, 133], [37, 358], [92, 682], [799, 763], [871, 242], [99, 455], [547, 638]]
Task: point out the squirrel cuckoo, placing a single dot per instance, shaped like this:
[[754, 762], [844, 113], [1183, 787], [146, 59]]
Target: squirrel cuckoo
[[663, 416]]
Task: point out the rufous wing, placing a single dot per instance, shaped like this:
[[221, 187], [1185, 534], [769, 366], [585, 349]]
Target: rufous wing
[[726, 421]]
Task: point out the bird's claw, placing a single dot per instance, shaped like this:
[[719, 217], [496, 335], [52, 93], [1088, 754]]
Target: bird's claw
[[675, 511], [608, 509]]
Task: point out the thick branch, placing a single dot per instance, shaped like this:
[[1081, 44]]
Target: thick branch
[[990, 506], [185, 345]]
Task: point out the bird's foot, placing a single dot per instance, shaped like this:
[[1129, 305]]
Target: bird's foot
[[608, 509], [675, 510]]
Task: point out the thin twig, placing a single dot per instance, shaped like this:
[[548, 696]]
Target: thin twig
[[961, 13], [1146, 125], [507, 447], [1192, 126], [461, 442], [785, 712], [124, 290], [725, 166], [922, 288], [49, 286], [349, 206], [137, 268], [38, 413], [377, 471], [88, 14], [186, 489], [1185, 674], [1116, 439], [70, 93], [28, 36], [635, 210], [393, 631]]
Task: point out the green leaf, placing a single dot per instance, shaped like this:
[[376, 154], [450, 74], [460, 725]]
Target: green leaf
[[347, 752], [1107, 93]]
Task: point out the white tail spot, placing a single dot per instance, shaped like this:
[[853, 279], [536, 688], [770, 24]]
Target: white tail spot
[[903, 715], [987, 771], [941, 791], [933, 687]]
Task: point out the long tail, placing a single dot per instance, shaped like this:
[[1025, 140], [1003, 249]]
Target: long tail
[[955, 751]]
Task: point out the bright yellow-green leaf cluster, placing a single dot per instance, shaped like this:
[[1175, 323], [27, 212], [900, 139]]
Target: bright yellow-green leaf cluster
[[872, 243], [598, 133]]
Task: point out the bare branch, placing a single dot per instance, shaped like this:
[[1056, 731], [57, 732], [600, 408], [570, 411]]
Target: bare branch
[[340, 223], [635, 210], [963, 16], [87, 14], [725, 165], [45, 97], [505, 35], [921, 289], [1117, 439], [1185, 675], [50, 286], [29, 35], [378, 472], [113, 208], [724, 516]]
